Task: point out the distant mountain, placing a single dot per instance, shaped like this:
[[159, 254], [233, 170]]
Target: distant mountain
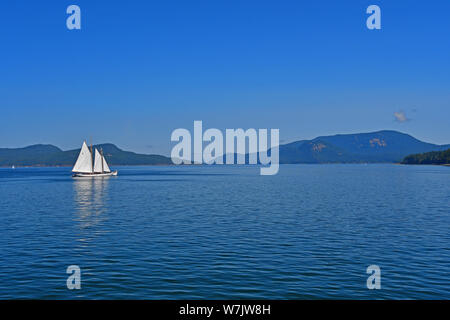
[[374, 147], [434, 157], [35, 154], [48, 155], [380, 146]]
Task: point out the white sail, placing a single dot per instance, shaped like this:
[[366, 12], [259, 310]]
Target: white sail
[[105, 165], [98, 162], [84, 161]]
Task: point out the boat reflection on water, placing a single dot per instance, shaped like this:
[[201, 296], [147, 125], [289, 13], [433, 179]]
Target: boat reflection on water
[[91, 198]]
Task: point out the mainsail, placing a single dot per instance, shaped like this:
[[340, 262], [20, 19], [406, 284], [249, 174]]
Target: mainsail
[[84, 161], [98, 162]]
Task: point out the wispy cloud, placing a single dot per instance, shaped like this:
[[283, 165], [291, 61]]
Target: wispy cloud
[[401, 117]]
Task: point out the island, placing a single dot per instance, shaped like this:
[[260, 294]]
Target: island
[[434, 157]]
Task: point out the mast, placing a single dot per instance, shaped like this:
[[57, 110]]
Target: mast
[[101, 153], [92, 157]]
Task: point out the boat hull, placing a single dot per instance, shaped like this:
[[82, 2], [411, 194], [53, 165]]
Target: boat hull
[[94, 175]]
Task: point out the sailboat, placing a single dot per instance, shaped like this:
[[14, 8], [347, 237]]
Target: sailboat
[[88, 166]]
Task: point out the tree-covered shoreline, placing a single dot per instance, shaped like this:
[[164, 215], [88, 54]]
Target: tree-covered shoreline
[[434, 157]]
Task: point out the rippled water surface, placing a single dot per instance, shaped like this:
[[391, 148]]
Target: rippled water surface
[[223, 232]]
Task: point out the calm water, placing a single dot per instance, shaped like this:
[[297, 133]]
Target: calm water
[[224, 232]]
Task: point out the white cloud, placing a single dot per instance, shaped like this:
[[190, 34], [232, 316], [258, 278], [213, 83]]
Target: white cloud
[[400, 117]]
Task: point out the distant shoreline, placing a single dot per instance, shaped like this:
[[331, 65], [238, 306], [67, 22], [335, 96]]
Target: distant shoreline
[[70, 166], [424, 164], [170, 165]]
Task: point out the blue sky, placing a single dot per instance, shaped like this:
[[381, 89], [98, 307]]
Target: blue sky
[[137, 70]]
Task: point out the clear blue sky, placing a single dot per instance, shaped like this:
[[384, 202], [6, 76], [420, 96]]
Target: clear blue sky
[[139, 69]]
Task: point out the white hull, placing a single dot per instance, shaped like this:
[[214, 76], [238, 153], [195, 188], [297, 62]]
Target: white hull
[[94, 175]]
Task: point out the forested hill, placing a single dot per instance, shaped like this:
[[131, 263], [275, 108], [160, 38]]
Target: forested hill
[[49, 155], [435, 157], [381, 146]]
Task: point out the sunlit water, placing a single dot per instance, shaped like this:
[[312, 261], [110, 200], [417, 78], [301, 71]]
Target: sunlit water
[[223, 232]]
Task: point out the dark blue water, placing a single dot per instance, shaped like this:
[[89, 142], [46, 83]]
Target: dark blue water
[[223, 232]]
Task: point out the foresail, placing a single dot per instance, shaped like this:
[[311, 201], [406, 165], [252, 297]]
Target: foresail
[[97, 162], [84, 161], [105, 165]]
